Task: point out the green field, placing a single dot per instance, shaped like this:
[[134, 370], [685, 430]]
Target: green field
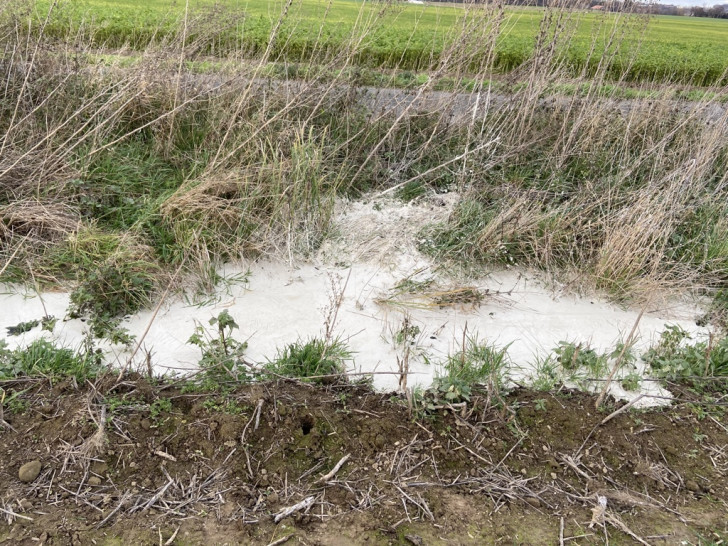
[[406, 36]]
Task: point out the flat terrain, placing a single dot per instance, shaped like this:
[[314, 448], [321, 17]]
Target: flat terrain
[[413, 37]]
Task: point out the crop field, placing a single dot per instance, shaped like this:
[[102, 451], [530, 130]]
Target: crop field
[[411, 37]]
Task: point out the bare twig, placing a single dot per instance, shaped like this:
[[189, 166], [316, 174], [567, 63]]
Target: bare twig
[[623, 408], [158, 495], [258, 411], [15, 252], [125, 367], [337, 467], [165, 455], [3, 422], [170, 540], [125, 497], [614, 520], [305, 504], [14, 515], [255, 417], [281, 540], [437, 167], [509, 452], [625, 347]]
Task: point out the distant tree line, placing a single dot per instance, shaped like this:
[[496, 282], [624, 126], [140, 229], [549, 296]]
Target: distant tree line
[[719, 11]]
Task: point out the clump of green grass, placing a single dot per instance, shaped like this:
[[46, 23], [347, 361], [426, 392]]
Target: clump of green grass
[[719, 308], [411, 191], [315, 360], [456, 239], [547, 375], [717, 311], [476, 364], [44, 358], [479, 362]]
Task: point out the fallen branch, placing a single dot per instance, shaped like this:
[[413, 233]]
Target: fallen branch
[[433, 169], [614, 520], [157, 496], [255, 417], [305, 504], [518, 443], [334, 470], [258, 411], [4, 423], [122, 502]]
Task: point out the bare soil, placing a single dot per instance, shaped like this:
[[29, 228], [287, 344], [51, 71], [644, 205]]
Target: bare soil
[[169, 467]]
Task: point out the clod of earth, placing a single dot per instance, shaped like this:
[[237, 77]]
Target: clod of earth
[[29, 471]]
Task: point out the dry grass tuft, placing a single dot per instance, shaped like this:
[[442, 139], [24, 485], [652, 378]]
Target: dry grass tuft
[[39, 221]]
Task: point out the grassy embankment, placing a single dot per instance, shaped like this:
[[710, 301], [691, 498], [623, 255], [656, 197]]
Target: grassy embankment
[[113, 177]]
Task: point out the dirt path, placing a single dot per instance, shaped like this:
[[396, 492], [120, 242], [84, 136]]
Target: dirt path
[[193, 468], [454, 106]]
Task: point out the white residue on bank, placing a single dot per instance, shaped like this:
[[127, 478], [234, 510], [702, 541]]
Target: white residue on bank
[[279, 303]]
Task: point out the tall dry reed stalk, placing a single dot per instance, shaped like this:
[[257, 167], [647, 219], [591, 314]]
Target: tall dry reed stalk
[[144, 145]]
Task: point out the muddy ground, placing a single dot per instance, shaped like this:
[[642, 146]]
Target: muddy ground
[[175, 467]]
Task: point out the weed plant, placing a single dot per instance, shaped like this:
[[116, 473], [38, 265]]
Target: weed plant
[[575, 356], [222, 361], [314, 360], [47, 323], [631, 382], [675, 357]]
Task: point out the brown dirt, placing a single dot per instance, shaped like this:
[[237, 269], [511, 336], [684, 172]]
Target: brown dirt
[[195, 466]]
